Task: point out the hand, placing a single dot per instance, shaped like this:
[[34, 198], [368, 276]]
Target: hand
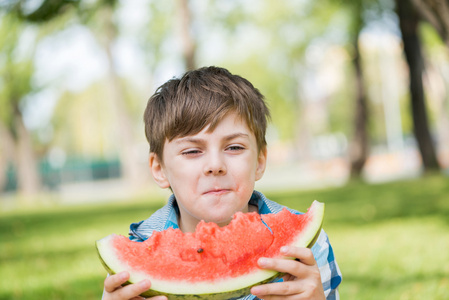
[[113, 289], [302, 279]]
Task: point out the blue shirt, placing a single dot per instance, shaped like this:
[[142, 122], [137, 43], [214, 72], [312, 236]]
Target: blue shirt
[[167, 217]]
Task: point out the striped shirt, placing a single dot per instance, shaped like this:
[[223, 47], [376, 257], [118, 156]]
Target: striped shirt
[[167, 217]]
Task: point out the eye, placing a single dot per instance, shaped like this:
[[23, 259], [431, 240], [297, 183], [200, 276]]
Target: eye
[[191, 152], [235, 148]]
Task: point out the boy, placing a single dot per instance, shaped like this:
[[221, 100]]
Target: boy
[[207, 144]]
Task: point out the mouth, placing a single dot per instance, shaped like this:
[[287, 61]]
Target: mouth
[[217, 192]]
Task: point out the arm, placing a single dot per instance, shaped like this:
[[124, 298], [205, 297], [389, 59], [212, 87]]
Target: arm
[[113, 289]]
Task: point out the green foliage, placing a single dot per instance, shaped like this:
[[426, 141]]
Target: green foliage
[[430, 36], [340, 117], [278, 90], [389, 241], [16, 70], [91, 137], [157, 32], [18, 44], [45, 11]]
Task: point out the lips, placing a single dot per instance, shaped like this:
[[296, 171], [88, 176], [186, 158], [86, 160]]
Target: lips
[[216, 192]]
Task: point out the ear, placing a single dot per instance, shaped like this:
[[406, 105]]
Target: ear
[[157, 170], [261, 163]]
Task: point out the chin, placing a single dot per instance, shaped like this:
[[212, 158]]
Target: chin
[[219, 220]]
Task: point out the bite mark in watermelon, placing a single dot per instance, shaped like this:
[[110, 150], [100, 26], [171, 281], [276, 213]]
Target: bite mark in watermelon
[[213, 262]]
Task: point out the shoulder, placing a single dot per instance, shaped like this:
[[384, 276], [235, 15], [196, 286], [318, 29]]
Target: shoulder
[[163, 218], [267, 206]]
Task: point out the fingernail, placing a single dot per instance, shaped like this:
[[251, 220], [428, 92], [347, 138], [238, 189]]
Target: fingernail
[[145, 284], [284, 250]]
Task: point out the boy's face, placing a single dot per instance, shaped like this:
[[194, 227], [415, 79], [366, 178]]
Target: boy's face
[[212, 174]]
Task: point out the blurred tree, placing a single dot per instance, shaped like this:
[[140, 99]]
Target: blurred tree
[[436, 53], [436, 12], [101, 19], [359, 147], [184, 22], [46, 10], [78, 139], [155, 34], [408, 22], [16, 84]]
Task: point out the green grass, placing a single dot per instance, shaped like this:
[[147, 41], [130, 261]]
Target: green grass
[[390, 240]]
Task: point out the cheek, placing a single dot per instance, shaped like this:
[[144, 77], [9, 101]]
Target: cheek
[[183, 176], [246, 173]]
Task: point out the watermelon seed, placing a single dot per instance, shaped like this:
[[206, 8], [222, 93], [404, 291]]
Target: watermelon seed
[[200, 250]]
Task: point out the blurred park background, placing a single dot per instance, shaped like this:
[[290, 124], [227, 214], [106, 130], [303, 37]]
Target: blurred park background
[[359, 95]]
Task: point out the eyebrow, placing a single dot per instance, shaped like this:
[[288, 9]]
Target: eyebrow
[[236, 135], [195, 140]]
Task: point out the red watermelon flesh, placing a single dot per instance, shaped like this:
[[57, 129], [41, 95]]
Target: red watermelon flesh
[[213, 262]]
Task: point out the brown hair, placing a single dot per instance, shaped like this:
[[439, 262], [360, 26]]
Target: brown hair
[[182, 107]]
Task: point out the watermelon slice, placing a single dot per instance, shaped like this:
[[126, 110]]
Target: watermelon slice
[[214, 262]]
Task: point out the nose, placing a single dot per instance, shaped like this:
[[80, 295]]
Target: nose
[[215, 165]]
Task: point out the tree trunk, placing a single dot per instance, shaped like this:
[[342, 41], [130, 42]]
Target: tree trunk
[[443, 123], [358, 150], [28, 177], [129, 166], [6, 154], [408, 21], [27, 168], [187, 40]]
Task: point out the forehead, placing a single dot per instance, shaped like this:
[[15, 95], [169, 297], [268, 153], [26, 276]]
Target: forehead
[[229, 127]]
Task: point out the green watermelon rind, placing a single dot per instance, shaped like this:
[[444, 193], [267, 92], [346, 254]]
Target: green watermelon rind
[[224, 295], [239, 292], [221, 295]]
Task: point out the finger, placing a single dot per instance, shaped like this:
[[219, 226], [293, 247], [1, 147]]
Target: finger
[[113, 282], [133, 290], [305, 255], [277, 288], [283, 265]]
